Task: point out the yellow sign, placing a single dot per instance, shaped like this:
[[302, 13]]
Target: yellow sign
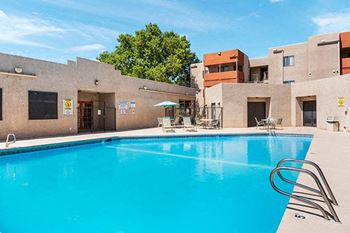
[[67, 107], [341, 101], [68, 103]]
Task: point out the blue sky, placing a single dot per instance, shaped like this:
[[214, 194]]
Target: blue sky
[[58, 30]]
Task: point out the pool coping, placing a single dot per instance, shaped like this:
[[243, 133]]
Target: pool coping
[[77, 142]]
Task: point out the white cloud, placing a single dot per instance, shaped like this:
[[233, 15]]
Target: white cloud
[[163, 12], [89, 47], [20, 30], [332, 22], [32, 31], [275, 1]]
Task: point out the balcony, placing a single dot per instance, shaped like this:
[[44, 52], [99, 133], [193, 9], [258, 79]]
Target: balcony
[[345, 65], [212, 79]]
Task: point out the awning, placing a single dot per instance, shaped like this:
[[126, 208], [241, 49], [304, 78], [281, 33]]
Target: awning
[[166, 104]]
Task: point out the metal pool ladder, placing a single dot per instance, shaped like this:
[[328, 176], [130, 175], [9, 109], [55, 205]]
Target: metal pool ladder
[[8, 141], [327, 197]]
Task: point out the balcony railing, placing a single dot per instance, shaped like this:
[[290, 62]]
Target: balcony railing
[[211, 79]]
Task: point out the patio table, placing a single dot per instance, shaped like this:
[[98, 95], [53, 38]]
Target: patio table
[[206, 122], [269, 122]]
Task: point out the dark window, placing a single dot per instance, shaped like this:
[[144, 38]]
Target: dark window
[[0, 104], [288, 61], [240, 68], [225, 68], [42, 105]]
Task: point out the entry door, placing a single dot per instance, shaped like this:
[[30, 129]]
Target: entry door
[[309, 113], [256, 109], [85, 115]]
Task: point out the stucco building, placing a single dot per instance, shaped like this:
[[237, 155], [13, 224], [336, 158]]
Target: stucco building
[[302, 83], [41, 98]]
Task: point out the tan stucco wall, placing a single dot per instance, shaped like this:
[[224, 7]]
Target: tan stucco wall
[[66, 80], [234, 99], [326, 92], [298, 72], [256, 62], [323, 60], [197, 70], [284, 101], [312, 61]]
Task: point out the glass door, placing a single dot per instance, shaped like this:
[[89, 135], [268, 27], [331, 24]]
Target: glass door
[[85, 120], [309, 113]]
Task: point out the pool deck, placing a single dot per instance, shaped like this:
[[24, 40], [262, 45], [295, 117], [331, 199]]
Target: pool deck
[[330, 150]]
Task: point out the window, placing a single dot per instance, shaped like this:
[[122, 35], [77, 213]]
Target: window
[[0, 104], [288, 61], [42, 105], [225, 68]]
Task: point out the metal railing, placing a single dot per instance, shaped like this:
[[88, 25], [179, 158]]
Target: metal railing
[[328, 197], [8, 141]]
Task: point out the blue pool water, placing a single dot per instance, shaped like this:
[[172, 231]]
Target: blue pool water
[[204, 184]]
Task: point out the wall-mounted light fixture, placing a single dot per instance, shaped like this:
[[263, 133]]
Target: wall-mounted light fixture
[[18, 70], [275, 51], [96, 82], [324, 42]]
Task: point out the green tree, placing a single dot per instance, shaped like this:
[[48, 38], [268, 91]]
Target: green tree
[[153, 54]]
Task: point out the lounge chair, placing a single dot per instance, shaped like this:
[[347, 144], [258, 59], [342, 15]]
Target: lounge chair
[[259, 123], [167, 127], [187, 124]]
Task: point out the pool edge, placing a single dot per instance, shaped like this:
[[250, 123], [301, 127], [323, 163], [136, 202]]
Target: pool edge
[[46, 146]]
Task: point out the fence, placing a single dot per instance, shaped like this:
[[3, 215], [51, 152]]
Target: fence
[[212, 113]]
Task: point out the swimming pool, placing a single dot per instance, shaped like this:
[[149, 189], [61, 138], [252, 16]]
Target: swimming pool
[[190, 184]]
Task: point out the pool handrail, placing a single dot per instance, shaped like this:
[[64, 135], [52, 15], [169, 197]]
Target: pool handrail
[[8, 142], [320, 172], [305, 200]]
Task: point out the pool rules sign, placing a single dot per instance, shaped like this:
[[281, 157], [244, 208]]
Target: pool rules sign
[[67, 107]]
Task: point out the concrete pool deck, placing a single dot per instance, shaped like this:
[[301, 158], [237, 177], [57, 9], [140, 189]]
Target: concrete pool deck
[[330, 150]]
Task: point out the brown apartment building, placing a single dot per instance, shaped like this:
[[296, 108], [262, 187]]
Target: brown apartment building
[[304, 84]]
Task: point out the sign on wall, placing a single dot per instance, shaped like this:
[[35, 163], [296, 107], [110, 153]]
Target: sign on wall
[[133, 104], [67, 107], [341, 101], [123, 106]]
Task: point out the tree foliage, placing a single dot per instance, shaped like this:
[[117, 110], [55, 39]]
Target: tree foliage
[[153, 54]]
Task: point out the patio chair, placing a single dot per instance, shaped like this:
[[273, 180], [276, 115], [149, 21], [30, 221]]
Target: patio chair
[[187, 124], [167, 127], [259, 123], [160, 121], [199, 123], [277, 123], [215, 124], [177, 121]]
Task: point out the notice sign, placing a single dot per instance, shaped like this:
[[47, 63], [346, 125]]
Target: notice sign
[[341, 102], [67, 107], [132, 104], [123, 106]]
